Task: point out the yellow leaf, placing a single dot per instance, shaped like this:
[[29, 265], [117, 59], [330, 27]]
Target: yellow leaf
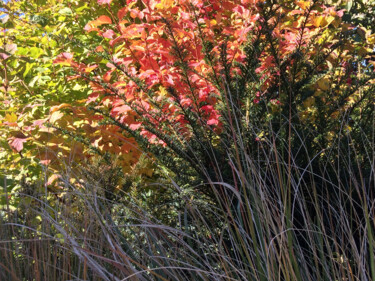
[[324, 84], [310, 101], [317, 21], [362, 32], [351, 100], [371, 39], [11, 118], [298, 23], [147, 171], [330, 66], [327, 21], [164, 4], [363, 51], [260, 136], [330, 136], [163, 92]]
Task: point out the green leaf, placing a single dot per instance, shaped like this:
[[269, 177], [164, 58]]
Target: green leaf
[[33, 81], [35, 52], [66, 11], [80, 9], [22, 51], [27, 68], [77, 87]]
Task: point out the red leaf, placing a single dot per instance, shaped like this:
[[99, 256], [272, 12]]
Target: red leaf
[[109, 34], [45, 162], [169, 79], [213, 121], [135, 126], [122, 12], [121, 109], [93, 97], [39, 123], [4, 56], [186, 102], [17, 143], [103, 2], [107, 76], [68, 56], [207, 108]]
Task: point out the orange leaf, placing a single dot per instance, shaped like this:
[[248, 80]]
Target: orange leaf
[[107, 76], [103, 20], [64, 59], [121, 13], [92, 25], [52, 179], [303, 4], [58, 107]]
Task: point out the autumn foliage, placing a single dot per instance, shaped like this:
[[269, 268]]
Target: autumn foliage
[[167, 73], [187, 139]]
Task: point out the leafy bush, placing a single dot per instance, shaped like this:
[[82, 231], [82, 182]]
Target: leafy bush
[[227, 140]]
